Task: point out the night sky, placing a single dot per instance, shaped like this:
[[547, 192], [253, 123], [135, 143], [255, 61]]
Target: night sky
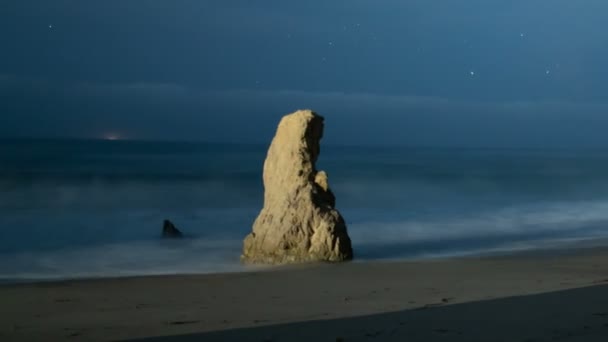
[[478, 73]]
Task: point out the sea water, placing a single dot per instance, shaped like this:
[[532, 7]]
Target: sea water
[[74, 208]]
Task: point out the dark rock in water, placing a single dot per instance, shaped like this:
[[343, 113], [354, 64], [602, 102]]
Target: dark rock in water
[[170, 231]]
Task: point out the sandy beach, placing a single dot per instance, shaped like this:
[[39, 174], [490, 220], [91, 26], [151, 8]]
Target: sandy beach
[[527, 297]]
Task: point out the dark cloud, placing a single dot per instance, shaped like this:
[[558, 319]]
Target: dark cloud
[[170, 111]]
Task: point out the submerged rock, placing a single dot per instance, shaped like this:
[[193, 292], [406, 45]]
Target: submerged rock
[[170, 231], [299, 222]]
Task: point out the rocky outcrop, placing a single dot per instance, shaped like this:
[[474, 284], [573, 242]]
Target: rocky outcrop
[[299, 222], [170, 231]]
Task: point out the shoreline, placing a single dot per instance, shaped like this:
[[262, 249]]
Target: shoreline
[[551, 248], [279, 300]]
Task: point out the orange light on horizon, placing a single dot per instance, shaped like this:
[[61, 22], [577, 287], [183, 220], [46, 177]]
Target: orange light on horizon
[[112, 137]]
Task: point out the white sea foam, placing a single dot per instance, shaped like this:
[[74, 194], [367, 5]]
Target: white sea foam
[[512, 228], [189, 256]]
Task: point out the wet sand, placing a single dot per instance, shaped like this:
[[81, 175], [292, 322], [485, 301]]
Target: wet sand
[[527, 297]]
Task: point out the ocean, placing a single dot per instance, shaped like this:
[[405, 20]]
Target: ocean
[[75, 208]]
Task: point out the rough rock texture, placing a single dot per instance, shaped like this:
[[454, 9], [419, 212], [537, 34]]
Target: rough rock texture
[[298, 222], [170, 231]]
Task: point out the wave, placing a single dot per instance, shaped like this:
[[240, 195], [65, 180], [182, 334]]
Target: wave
[[504, 230], [188, 256], [501, 229]]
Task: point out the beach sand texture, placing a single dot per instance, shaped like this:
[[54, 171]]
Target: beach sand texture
[[544, 297]]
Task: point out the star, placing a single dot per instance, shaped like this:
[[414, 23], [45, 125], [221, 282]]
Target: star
[[472, 73], [547, 72], [51, 26], [521, 34]]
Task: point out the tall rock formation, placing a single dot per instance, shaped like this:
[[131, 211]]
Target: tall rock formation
[[298, 222]]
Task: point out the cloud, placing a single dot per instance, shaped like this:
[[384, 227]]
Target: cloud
[[175, 111], [346, 100]]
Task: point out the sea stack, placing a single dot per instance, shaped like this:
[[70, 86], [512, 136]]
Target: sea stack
[[299, 222]]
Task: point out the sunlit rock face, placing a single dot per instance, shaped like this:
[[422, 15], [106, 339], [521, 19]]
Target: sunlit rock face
[[299, 222]]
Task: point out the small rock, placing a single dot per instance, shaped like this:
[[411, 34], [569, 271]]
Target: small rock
[[170, 231]]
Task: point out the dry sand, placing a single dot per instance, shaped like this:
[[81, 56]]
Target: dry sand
[[548, 297]]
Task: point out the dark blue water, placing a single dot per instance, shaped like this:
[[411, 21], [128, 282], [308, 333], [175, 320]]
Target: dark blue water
[[95, 208]]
